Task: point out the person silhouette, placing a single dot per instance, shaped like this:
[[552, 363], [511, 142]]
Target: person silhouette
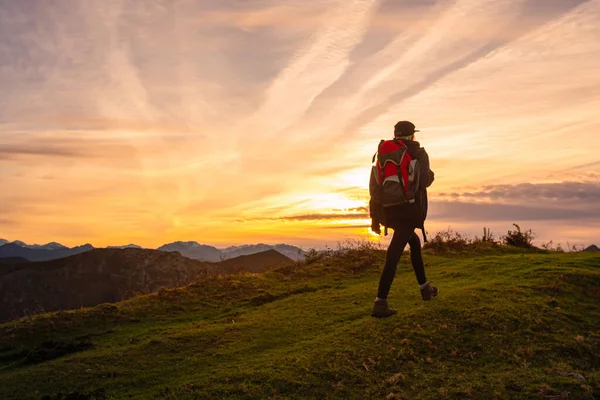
[[402, 216]]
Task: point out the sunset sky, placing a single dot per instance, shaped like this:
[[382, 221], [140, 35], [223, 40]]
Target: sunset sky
[[229, 122]]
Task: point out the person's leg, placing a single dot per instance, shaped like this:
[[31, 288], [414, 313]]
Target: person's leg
[[428, 292], [416, 258], [402, 233]]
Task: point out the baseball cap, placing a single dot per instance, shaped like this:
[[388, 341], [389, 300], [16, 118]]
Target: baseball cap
[[404, 128]]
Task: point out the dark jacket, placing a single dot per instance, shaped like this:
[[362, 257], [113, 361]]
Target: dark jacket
[[417, 211]]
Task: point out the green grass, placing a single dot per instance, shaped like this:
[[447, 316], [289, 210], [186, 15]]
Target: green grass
[[514, 326]]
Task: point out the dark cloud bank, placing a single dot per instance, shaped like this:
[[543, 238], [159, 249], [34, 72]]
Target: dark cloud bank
[[511, 203], [563, 193]]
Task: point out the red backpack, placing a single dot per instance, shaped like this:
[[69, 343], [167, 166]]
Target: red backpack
[[396, 173], [394, 178]]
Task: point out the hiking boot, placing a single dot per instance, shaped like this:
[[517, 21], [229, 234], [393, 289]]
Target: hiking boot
[[428, 292], [381, 310]]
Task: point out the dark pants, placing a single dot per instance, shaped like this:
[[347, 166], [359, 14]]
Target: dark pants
[[404, 232]]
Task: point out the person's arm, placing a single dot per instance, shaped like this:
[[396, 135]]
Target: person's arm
[[373, 202], [427, 176], [373, 184]]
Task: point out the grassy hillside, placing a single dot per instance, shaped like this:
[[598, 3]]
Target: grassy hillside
[[515, 326], [94, 277]]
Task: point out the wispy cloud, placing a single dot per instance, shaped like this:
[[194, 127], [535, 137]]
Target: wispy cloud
[[316, 66], [318, 217], [420, 57], [170, 119]]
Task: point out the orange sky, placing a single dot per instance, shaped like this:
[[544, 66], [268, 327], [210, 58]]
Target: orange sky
[[236, 123]]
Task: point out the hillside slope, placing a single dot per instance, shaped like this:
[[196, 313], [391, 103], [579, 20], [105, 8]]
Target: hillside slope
[[293, 252], [257, 262], [94, 277], [516, 326]]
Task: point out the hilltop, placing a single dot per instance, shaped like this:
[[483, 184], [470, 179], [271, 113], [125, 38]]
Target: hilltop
[[257, 262], [513, 325]]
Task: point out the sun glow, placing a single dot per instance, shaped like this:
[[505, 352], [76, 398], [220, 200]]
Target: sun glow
[[331, 203], [354, 178]]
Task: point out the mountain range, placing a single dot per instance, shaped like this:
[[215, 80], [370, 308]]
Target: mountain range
[[293, 252], [109, 275], [47, 246], [90, 278], [40, 253], [193, 250]]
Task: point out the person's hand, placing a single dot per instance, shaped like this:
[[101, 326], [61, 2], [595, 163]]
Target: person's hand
[[375, 227]]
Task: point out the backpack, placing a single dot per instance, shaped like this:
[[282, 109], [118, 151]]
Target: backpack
[[394, 178]]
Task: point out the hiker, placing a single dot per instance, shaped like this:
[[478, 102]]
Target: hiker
[[398, 189]]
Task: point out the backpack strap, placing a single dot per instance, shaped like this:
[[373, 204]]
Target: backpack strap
[[403, 146], [378, 147]]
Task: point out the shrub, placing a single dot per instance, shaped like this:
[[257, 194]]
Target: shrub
[[447, 240], [558, 248], [488, 236], [549, 246], [519, 238], [355, 255], [450, 241], [313, 255], [576, 247]]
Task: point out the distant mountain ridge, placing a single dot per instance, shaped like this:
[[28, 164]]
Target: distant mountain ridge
[[40, 253], [47, 246], [194, 250], [189, 249], [293, 252], [202, 252], [93, 277]]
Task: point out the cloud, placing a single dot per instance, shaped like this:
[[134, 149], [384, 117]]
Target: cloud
[[427, 49], [461, 212], [7, 152], [320, 217], [347, 227], [282, 16], [313, 217], [563, 193], [316, 65], [90, 150], [464, 211]]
